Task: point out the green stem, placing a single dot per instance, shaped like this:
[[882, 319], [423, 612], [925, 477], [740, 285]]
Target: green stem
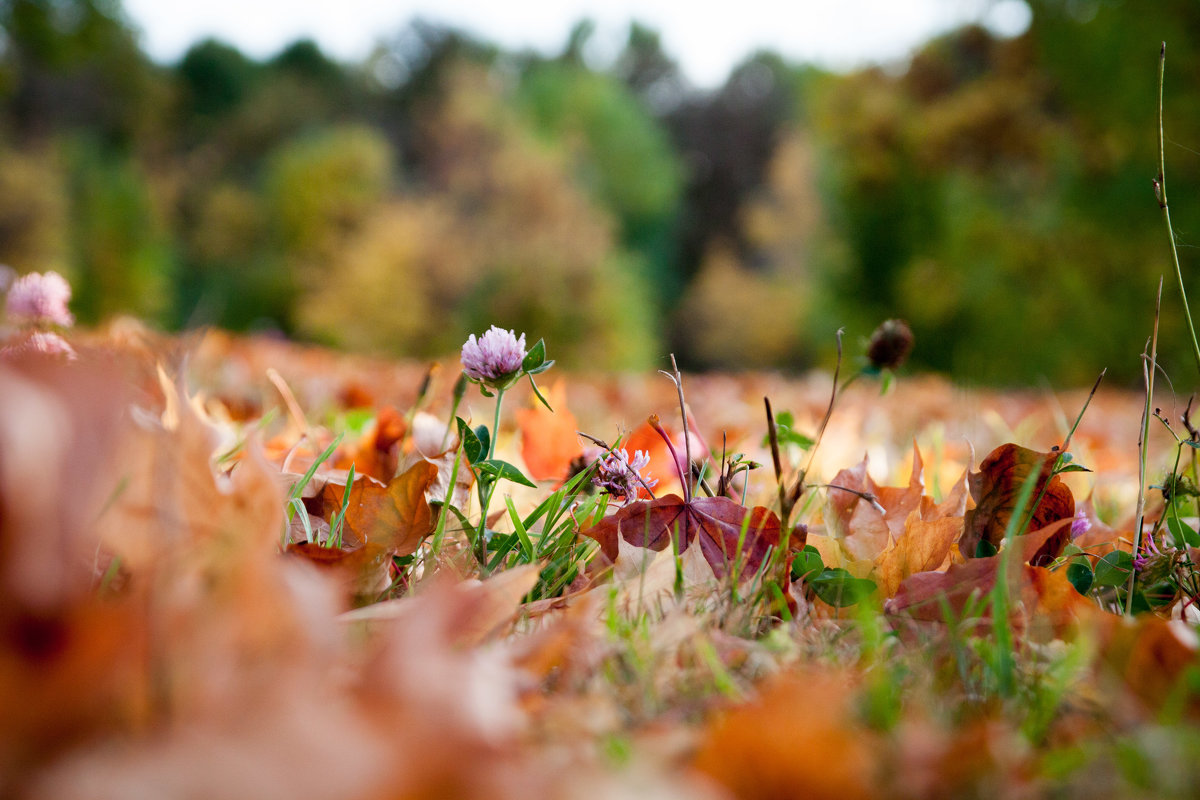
[[485, 493], [1161, 190]]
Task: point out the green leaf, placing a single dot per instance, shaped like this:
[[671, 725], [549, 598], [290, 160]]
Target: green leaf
[[520, 530], [538, 370], [1183, 533], [1071, 468], [785, 432], [485, 438], [839, 588], [807, 564], [538, 392], [1114, 569], [473, 448], [505, 470], [535, 357], [1079, 573], [985, 549]]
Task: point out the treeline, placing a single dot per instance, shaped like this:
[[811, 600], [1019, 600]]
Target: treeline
[[994, 192]]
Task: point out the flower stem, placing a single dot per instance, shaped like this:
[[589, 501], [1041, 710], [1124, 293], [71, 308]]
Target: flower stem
[[485, 492]]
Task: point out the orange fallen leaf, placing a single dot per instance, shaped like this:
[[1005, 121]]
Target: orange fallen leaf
[[549, 442], [396, 516], [799, 738], [925, 545]]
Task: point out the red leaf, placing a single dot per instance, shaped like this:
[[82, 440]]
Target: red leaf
[[715, 523]]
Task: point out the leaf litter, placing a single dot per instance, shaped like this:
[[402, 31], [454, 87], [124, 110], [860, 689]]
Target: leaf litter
[[159, 643]]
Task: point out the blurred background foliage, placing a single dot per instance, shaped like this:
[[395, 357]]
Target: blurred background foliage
[[994, 192]]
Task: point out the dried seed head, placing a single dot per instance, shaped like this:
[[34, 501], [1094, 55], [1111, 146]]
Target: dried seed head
[[890, 344]]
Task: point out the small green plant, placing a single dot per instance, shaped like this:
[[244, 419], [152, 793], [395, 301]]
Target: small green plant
[[496, 361]]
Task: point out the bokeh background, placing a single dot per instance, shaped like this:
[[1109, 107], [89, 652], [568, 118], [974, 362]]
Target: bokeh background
[[994, 190]]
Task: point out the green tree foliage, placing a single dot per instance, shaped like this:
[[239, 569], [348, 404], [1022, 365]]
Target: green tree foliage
[[619, 152], [123, 263], [994, 192], [497, 234], [73, 65]]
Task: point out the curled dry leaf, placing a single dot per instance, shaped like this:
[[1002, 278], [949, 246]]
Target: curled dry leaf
[[486, 608], [995, 489], [1036, 591], [715, 523], [434, 444]]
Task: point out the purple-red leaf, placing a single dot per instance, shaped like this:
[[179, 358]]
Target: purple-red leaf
[[715, 523]]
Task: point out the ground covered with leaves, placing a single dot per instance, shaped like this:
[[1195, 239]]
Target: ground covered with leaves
[[239, 568]]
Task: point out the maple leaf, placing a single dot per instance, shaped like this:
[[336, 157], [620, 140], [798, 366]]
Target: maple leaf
[[995, 488], [715, 523], [549, 442], [395, 516], [1042, 593]]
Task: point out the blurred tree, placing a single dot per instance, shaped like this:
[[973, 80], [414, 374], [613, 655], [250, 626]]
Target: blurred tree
[[34, 225], [618, 152], [123, 261], [497, 234], [217, 78], [74, 64]]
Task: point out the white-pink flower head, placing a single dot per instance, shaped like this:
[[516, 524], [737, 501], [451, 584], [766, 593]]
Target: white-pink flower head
[[39, 298], [620, 475], [494, 357]]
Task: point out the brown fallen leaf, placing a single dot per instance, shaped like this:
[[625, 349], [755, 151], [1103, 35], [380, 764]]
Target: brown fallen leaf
[[995, 489], [365, 569], [1036, 592]]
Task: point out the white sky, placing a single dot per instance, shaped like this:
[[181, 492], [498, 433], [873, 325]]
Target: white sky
[[706, 39]]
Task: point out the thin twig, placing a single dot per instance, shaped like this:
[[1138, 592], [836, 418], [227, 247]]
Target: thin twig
[[677, 379], [870, 498], [1160, 190], [1148, 370]]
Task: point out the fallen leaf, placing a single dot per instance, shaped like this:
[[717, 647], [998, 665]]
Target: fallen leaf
[[995, 489], [924, 545], [364, 568], [549, 442], [396, 516], [715, 523], [799, 738], [1034, 590]]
